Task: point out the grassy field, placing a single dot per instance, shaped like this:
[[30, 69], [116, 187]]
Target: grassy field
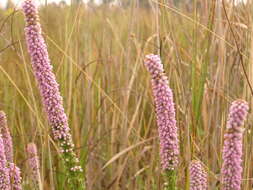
[[97, 53]]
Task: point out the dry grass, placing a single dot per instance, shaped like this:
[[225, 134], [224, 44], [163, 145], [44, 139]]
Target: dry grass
[[98, 59]]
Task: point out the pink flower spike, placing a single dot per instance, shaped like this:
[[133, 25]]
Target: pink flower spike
[[7, 139], [232, 149], [198, 176], [49, 91], [165, 113], [15, 177], [4, 170], [33, 162]]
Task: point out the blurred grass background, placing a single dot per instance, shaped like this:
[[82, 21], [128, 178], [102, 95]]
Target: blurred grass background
[[97, 53]]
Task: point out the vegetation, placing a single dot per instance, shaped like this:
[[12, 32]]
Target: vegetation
[[97, 53]]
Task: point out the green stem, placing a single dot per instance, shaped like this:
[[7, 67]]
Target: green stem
[[170, 177]]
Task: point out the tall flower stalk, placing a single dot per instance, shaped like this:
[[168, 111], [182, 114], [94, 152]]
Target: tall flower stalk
[[4, 170], [198, 176], [232, 148], [51, 98], [15, 177], [14, 173], [34, 164], [166, 121], [6, 136]]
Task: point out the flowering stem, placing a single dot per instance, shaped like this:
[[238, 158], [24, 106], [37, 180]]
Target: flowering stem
[[15, 177], [13, 171], [7, 139], [232, 149], [51, 98], [34, 165], [166, 119], [4, 170]]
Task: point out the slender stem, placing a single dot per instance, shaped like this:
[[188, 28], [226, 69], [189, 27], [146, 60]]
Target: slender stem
[[170, 177]]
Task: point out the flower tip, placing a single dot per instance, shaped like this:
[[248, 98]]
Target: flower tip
[[240, 104], [151, 57], [2, 116], [153, 64]]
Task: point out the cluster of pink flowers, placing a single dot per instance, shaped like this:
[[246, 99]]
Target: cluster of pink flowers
[[10, 178], [4, 170], [169, 148], [165, 113], [15, 177], [232, 148], [49, 88], [198, 176], [33, 162], [7, 139]]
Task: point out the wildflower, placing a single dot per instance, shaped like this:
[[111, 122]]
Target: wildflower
[[7, 139], [49, 90], [165, 113], [4, 171], [15, 177], [198, 176], [13, 171], [232, 148], [33, 162]]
